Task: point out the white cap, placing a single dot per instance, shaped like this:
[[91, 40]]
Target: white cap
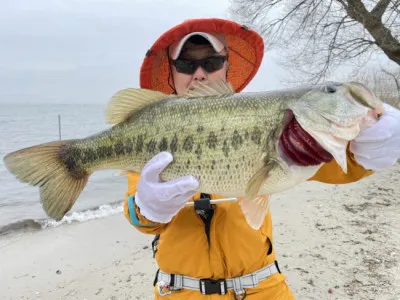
[[217, 41]]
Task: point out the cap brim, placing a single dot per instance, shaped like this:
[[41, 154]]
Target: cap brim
[[215, 41]]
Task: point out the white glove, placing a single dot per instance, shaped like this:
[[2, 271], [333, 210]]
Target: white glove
[[161, 201], [378, 147]]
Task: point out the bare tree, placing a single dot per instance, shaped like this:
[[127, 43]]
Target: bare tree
[[314, 37], [384, 82]]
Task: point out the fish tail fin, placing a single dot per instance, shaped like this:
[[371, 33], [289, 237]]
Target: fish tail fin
[[42, 166], [255, 210]]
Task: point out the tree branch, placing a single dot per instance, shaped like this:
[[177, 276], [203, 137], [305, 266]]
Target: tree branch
[[380, 8], [396, 80], [382, 35], [314, 37]]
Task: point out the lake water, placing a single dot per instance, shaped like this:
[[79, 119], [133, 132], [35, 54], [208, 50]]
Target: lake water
[[23, 126]]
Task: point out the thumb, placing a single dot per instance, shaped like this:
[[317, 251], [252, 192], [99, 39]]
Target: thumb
[[156, 165]]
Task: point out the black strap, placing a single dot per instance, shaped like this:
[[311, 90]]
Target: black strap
[[156, 277], [154, 244], [270, 246], [205, 210], [277, 266]]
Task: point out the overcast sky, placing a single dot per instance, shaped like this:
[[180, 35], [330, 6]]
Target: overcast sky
[[82, 51]]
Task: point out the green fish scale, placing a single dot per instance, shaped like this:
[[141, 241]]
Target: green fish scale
[[221, 141]]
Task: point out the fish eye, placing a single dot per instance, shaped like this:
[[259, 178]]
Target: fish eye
[[330, 89]]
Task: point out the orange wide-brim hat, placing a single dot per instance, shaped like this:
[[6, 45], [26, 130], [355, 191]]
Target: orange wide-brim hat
[[245, 46]]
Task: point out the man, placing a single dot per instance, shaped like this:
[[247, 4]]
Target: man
[[196, 252]]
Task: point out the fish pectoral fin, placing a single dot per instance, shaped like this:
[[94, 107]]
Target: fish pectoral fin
[[255, 207], [255, 210], [258, 179], [41, 166], [255, 182], [213, 88], [126, 101]]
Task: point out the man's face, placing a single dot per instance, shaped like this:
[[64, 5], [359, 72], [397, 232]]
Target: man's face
[[192, 52]]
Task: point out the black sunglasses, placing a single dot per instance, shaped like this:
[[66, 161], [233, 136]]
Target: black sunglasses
[[210, 64]]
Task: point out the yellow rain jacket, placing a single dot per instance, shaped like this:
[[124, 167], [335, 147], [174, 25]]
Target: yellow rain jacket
[[234, 249], [231, 248]]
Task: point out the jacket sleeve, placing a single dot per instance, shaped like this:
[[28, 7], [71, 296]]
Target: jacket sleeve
[[332, 173], [132, 212]]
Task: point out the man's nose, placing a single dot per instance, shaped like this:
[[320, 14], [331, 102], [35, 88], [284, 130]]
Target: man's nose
[[200, 74]]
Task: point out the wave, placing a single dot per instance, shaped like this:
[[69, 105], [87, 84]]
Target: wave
[[101, 211]]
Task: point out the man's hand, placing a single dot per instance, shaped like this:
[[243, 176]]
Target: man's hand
[[378, 147], [161, 201]]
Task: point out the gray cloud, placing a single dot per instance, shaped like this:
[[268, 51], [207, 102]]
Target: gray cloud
[[83, 51]]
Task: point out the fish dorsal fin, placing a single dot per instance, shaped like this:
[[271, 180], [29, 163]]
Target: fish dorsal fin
[[213, 88], [126, 101]]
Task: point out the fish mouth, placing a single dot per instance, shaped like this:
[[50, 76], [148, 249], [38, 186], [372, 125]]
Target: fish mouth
[[335, 120], [363, 95]]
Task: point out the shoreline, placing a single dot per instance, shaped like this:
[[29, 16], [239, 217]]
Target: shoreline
[[332, 242], [75, 216]]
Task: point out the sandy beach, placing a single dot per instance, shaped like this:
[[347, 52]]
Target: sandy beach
[[332, 242]]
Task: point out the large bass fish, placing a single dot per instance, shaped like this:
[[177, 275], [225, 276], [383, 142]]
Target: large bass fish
[[230, 142]]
